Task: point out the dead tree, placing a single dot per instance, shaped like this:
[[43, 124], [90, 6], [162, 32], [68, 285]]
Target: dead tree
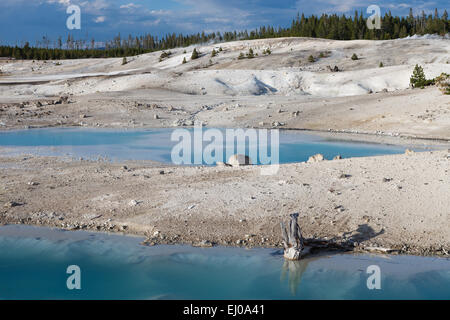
[[292, 239]]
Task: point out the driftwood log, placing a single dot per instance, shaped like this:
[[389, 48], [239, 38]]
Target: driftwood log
[[292, 239]]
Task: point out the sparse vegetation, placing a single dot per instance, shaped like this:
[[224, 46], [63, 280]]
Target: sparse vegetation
[[325, 54], [164, 55], [267, 51], [311, 59], [250, 54], [443, 83], [355, 57]]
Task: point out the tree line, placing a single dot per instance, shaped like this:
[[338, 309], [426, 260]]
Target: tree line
[[337, 27]]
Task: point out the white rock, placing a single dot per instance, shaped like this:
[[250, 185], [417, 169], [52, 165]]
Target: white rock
[[237, 160], [133, 203], [315, 158]]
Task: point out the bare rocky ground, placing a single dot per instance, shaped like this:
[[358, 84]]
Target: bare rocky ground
[[398, 204]]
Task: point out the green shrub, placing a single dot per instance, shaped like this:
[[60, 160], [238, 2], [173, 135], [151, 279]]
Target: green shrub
[[355, 57], [184, 60], [381, 65], [311, 59], [213, 53]]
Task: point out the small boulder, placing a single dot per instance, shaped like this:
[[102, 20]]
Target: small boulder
[[237, 160], [204, 244], [316, 158], [133, 203]]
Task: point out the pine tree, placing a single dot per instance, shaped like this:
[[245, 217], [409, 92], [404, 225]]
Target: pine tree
[[184, 60], [194, 54], [213, 53], [354, 57], [124, 61], [418, 79]]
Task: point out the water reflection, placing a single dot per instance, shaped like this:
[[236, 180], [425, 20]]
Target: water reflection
[[293, 271]]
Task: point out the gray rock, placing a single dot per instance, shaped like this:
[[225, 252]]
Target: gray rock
[[11, 204], [204, 244]]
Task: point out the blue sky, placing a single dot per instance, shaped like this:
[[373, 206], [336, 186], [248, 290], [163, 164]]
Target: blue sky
[[29, 20]]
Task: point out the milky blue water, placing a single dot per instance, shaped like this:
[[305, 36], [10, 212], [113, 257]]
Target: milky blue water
[[156, 144], [34, 261]]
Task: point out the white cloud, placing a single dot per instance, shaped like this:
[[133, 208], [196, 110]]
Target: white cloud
[[100, 19], [130, 5], [63, 2]]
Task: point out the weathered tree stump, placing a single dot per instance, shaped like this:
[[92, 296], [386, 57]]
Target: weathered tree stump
[[292, 239]]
